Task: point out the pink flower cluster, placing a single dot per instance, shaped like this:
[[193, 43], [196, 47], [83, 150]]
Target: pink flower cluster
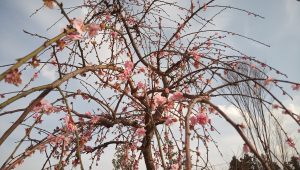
[[70, 125], [140, 132], [59, 139], [45, 107], [127, 71], [200, 118], [159, 100], [170, 120], [78, 24], [14, 77], [177, 96], [296, 86]]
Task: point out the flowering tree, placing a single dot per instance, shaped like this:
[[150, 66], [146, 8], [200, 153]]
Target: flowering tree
[[133, 75]]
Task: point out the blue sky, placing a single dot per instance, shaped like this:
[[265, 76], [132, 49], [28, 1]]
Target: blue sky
[[279, 29]]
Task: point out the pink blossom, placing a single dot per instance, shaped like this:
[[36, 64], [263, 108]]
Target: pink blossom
[[193, 120], [246, 148], [78, 25], [296, 86], [37, 118], [35, 76], [93, 29], [195, 55], [141, 132], [74, 36], [140, 85], [113, 34], [174, 167], [142, 69], [95, 119], [128, 65], [44, 107], [268, 81], [13, 77], [202, 118], [88, 113], [159, 100], [170, 120], [70, 125], [107, 17], [177, 96]]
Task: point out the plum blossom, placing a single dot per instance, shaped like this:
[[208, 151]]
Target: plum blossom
[[268, 81], [159, 100], [128, 65], [113, 34], [44, 107], [95, 119], [13, 77], [140, 85], [202, 118], [193, 120], [170, 120], [93, 29], [141, 132], [88, 113], [74, 36], [177, 96], [174, 167], [296, 86], [78, 25], [70, 125]]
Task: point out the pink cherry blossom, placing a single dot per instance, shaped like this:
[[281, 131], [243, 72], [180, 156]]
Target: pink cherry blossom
[[88, 113], [193, 120], [128, 65], [159, 100], [95, 119], [177, 96], [141, 132], [78, 25], [140, 85], [202, 118], [13, 77], [296, 86], [174, 167], [170, 120], [70, 125], [35, 75], [74, 36], [268, 81], [44, 107], [113, 34], [93, 29]]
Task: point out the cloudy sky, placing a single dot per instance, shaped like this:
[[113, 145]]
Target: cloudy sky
[[279, 29]]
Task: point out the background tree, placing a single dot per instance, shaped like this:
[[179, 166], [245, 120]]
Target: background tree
[[132, 75]]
